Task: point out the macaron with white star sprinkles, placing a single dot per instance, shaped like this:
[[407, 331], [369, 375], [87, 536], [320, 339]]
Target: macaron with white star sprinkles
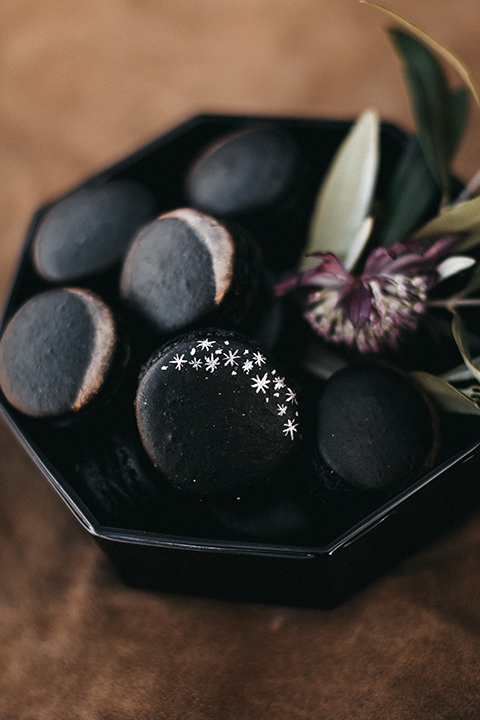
[[215, 414]]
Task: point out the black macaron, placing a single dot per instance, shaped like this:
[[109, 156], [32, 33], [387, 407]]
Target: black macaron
[[243, 172], [376, 431], [215, 415], [57, 352], [257, 176], [118, 477], [89, 231], [186, 268]]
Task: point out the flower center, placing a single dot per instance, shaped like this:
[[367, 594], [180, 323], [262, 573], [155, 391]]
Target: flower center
[[389, 306]]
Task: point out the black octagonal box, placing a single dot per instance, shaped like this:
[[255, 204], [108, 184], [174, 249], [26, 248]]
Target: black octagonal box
[[181, 545]]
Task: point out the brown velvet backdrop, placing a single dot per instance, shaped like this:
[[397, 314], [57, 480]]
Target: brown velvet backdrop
[[81, 84]]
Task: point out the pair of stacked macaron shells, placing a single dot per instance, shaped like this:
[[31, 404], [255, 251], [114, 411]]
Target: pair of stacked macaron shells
[[213, 410]]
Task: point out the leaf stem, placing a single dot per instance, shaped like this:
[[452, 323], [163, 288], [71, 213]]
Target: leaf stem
[[454, 302]]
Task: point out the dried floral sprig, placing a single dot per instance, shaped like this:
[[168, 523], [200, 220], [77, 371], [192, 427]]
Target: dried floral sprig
[[366, 281], [370, 299], [457, 390], [372, 310]]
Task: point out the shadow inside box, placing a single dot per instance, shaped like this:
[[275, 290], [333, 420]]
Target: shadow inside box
[[182, 547], [322, 577]]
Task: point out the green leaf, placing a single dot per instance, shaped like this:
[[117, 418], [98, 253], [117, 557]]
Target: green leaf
[[358, 243], [445, 395], [473, 284], [460, 336], [459, 373], [437, 130], [463, 217], [345, 196], [411, 195], [471, 241], [453, 265], [436, 46], [459, 107]]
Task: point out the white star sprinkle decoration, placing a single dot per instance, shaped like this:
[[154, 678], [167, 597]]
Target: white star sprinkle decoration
[[205, 344], [212, 356], [179, 361], [211, 363], [259, 359], [231, 358], [291, 396], [247, 366], [261, 384], [290, 428]]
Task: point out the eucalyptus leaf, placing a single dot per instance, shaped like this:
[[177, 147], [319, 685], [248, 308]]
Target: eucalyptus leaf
[[358, 243], [460, 336], [434, 45], [453, 265], [443, 326], [459, 373], [445, 395], [463, 217], [412, 195], [471, 241], [437, 130], [459, 106], [346, 194], [473, 284]]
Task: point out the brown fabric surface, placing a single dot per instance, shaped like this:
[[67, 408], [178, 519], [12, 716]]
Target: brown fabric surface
[[81, 84]]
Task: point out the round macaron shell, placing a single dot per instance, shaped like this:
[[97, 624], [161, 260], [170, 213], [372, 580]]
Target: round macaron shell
[[89, 231], [214, 414], [56, 351], [178, 269], [242, 172], [375, 429]]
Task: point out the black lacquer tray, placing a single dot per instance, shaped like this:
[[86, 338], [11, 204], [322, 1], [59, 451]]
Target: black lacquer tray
[[181, 548]]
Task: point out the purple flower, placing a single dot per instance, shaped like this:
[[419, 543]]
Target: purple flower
[[372, 310]]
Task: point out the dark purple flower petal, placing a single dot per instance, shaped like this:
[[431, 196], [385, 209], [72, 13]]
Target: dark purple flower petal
[[358, 304], [377, 261], [410, 264], [442, 247], [411, 257], [373, 310], [289, 283], [328, 273]]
